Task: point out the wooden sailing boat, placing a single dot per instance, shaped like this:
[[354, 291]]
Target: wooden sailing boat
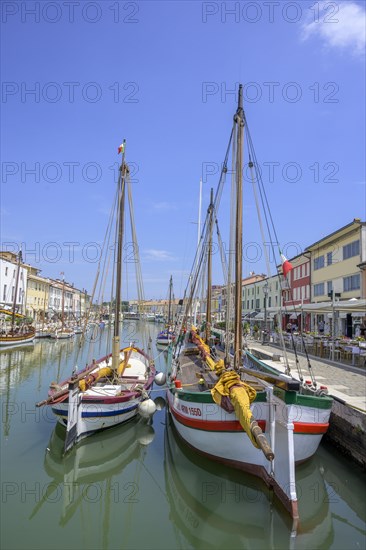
[[18, 333], [200, 496], [108, 391], [237, 419], [167, 336]]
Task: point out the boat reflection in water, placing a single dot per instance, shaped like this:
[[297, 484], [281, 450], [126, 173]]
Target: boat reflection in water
[[214, 507], [87, 472]]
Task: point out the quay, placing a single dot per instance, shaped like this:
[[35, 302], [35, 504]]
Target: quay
[[346, 384]]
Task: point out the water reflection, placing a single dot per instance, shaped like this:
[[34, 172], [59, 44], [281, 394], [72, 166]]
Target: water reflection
[[88, 499], [212, 505], [87, 473]]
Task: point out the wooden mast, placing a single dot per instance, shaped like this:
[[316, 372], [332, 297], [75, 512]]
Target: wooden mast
[[239, 120], [16, 291], [209, 270], [63, 302], [170, 301], [120, 222]]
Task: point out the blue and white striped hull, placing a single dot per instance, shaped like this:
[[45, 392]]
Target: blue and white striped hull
[[96, 416]]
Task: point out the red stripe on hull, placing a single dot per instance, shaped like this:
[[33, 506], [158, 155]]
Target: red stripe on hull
[[310, 428], [213, 425]]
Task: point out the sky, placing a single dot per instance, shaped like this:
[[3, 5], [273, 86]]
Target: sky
[[79, 77]]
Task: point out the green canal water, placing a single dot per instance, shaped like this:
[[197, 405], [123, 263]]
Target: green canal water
[[137, 486]]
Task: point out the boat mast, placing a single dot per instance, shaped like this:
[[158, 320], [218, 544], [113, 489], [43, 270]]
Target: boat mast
[[209, 269], [170, 299], [63, 301], [239, 120], [120, 222], [16, 291]]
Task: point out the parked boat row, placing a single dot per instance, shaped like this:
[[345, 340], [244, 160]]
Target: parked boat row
[[224, 406]]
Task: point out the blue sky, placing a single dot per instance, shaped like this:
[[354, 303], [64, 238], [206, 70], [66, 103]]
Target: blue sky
[[160, 75]]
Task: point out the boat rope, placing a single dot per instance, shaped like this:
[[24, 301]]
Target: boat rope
[[136, 260], [102, 259], [273, 240], [231, 261], [193, 277]]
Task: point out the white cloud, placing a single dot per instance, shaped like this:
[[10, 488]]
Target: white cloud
[[340, 25], [159, 255]]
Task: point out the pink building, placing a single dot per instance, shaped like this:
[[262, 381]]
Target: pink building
[[296, 292]]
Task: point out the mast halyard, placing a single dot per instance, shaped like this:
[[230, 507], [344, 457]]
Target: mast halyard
[[120, 221], [16, 292], [239, 120], [209, 270], [63, 303]]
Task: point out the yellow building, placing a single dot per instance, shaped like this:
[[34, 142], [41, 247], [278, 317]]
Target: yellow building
[[335, 262], [38, 290], [337, 277]]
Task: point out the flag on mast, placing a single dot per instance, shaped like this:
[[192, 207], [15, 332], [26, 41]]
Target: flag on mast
[[120, 148], [286, 265]]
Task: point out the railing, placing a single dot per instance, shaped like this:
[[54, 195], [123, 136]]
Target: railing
[[341, 351]]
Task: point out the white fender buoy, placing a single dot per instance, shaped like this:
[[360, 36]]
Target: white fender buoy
[[160, 378], [147, 408]]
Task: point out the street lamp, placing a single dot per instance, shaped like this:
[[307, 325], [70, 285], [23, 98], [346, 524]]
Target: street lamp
[[265, 292]]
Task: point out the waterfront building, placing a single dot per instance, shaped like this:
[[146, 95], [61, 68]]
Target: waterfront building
[[336, 276], [8, 271], [296, 292], [57, 289], [37, 296]]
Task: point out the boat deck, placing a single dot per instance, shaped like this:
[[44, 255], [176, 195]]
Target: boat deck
[[195, 375]]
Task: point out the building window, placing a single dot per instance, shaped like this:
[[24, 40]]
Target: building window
[[319, 289], [318, 262], [329, 258], [257, 306], [351, 283], [329, 287], [12, 292], [269, 301], [6, 270], [350, 250], [4, 293]]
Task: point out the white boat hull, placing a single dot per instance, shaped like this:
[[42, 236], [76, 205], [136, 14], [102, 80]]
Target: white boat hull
[[8, 341], [96, 417], [103, 404], [217, 434], [62, 335]]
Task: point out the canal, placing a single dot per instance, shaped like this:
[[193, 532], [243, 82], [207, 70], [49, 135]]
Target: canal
[[137, 486]]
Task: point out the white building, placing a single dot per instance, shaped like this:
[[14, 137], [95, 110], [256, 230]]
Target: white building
[[8, 282], [57, 288]]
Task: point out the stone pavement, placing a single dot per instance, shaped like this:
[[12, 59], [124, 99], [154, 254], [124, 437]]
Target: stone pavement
[[344, 382]]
